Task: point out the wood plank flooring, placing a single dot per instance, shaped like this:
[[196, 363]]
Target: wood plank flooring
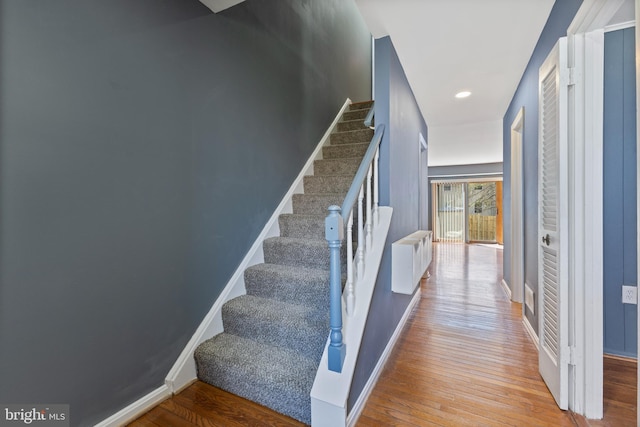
[[203, 405], [463, 359], [620, 390]]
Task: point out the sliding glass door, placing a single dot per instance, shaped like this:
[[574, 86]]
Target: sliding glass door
[[481, 202], [449, 209], [467, 211]]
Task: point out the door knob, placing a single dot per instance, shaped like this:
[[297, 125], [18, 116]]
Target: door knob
[[545, 239]]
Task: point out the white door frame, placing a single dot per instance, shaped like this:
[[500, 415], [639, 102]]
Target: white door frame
[[423, 183], [586, 56], [517, 211]]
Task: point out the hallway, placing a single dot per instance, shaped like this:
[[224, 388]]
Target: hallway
[[465, 359]]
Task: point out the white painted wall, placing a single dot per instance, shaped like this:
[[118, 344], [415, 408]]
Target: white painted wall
[[465, 144]]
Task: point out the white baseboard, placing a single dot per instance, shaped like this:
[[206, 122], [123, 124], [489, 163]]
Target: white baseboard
[[183, 371], [137, 408], [531, 332], [506, 288], [353, 416]]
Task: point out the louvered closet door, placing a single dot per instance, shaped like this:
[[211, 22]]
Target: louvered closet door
[[552, 220]]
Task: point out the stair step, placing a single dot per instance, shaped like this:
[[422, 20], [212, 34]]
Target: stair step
[[323, 184], [344, 166], [355, 115], [278, 378], [281, 324], [316, 204], [352, 136], [351, 125], [297, 252], [274, 335], [344, 150], [360, 105], [303, 226], [297, 285]]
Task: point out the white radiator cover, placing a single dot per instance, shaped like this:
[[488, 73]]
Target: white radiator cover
[[410, 258]]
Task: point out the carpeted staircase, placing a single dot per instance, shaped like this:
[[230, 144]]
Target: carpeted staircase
[[274, 335]]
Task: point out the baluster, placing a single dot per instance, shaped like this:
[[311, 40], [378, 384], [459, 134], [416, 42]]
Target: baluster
[[334, 233], [360, 252], [369, 212], [350, 294], [376, 217]]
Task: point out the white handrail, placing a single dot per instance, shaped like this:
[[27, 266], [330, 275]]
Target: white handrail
[[366, 195]]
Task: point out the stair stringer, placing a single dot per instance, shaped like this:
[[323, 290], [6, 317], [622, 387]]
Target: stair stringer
[[331, 389], [183, 373]]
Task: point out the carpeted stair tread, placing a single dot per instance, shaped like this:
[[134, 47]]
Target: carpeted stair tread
[[360, 114], [308, 226], [352, 136], [293, 284], [297, 251], [297, 327], [278, 378], [316, 204], [345, 150], [303, 226], [361, 105], [323, 184], [348, 125], [339, 166]]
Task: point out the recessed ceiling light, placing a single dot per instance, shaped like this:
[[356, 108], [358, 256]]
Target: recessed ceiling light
[[463, 94]]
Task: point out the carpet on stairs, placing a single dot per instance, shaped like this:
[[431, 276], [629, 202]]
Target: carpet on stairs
[[274, 336]]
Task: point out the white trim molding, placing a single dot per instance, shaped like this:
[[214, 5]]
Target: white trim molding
[[505, 287], [586, 47], [620, 26], [516, 141], [531, 332], [589, 206], [594, 15], [137, 408]]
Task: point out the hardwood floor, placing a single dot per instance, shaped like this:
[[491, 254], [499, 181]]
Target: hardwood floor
[[206, 406], [619, 394], [463, 359]]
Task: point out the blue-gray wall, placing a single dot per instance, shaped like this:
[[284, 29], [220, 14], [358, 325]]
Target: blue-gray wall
[[619, 197], [143, 146], [397, 108], [526, 96]]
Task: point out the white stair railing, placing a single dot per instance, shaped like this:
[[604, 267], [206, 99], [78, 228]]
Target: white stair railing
[[363, 196]]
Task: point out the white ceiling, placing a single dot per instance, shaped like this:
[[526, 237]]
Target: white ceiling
[[446, 46]]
